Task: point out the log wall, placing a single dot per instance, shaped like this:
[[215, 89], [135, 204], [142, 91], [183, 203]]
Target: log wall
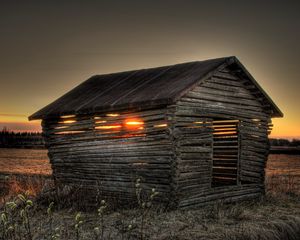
[[110, 151], [206, 151]]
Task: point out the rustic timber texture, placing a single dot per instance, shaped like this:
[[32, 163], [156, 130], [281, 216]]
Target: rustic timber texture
[[102, 150], [197, 132]]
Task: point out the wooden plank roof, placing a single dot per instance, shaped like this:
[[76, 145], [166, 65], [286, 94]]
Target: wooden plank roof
[[136, 89]]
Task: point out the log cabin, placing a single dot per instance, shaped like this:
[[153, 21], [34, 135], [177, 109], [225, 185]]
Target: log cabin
[[197, 132]]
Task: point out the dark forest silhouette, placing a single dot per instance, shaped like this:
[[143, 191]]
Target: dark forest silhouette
[[284, 142], [285, 146], [21, 139]]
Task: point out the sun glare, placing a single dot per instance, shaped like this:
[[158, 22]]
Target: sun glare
[[68, 121], [108, 127], [112, 115], [161, 125], [68, 116], [134, 123]]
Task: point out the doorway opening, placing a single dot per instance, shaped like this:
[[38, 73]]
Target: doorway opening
[[226, 152]]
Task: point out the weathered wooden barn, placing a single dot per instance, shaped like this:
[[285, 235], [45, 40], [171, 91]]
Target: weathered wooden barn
[[197, 132]]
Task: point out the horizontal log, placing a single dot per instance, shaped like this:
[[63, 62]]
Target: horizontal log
[[195, 174], [198, 204], [192, 156], [254, 160], [249, 167], [194, 141], [95, 158], [226, 76], [220, 196], [251, 174], [224, 99], [197, 102], [121, 154], [112, 148], [248, 179], [225, 92], [217, 113]]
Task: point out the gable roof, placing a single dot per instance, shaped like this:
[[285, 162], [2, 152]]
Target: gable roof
[[139, 88]]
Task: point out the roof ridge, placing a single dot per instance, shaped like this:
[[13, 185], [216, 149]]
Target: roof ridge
[[163, 66]]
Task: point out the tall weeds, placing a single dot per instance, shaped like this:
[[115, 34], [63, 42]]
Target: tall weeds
[[21, 218]]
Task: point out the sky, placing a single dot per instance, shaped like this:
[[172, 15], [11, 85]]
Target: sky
[[49, 47]]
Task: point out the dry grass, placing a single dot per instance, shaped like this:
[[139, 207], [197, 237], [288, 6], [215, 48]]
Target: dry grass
[[267, 218], [275, 216], [282, 185], [12, 185]]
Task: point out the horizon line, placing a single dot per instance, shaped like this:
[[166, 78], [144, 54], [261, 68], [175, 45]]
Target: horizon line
[[29, 131]]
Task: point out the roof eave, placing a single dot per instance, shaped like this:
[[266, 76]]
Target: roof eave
[[133, 106]]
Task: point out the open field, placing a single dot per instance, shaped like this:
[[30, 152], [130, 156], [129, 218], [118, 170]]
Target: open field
[[275, 216], [24, 161], [35, 161], [283, 164], [283, 171]]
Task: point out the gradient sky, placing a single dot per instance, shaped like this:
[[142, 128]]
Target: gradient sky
[[48, 47]]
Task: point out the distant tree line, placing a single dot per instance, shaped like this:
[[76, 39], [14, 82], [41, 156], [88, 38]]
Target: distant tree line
[[21, 139], [35, 140], [284, 142]]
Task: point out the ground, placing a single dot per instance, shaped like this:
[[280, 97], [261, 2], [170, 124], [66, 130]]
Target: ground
[[274, 216]]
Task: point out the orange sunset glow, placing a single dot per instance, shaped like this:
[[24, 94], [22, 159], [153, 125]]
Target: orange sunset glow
[[48, 49], [134, 124]]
